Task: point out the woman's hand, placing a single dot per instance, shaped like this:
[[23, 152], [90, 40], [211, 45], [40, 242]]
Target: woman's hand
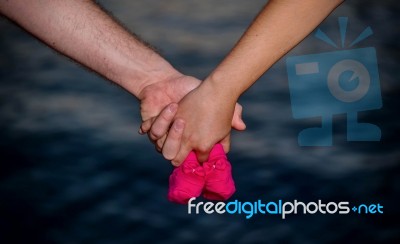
[[208, 114]]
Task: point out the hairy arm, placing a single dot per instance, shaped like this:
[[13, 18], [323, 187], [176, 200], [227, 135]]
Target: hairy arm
[[81, 30]]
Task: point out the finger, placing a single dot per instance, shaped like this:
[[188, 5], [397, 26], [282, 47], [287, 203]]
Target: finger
[[160, 142], [173, 141], [181, 155], [163, 121], [237, 121], [146, 126], [226, 143]]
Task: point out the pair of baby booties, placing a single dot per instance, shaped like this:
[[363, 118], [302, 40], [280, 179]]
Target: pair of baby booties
[[213, 178]]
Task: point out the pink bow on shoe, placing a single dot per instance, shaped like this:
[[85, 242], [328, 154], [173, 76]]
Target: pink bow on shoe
[[193, 167], [218, 165]]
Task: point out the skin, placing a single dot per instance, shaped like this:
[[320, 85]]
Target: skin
[[208, 109], [81, 30]]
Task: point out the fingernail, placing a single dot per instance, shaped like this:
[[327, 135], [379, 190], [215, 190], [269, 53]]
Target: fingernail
[[173, 107], [178, 125], [140, 131]]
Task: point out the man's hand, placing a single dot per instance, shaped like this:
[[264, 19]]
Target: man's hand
[[158, 106], [160, 99]]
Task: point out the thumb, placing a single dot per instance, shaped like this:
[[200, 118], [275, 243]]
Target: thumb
[[237, 121]]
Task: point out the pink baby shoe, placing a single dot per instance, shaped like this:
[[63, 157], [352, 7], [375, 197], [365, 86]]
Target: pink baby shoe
[[219, 184], [186, 181]]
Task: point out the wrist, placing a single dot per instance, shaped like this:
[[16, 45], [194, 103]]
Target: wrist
[[135, 81], [219, 91], [223, 85]]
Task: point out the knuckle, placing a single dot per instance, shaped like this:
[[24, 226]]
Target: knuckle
[[175, 135], [165, 116]]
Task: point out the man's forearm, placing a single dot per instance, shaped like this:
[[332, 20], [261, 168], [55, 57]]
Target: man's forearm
[[280, 26], [81, 30]]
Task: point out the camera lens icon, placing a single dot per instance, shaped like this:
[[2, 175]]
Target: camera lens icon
[[339, 82], [345, 88]]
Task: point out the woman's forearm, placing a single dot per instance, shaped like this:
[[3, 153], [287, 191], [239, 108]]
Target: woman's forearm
[[81, 30], [280, 26]]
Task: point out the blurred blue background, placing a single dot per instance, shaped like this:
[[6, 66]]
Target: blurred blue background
[[74, 170]]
